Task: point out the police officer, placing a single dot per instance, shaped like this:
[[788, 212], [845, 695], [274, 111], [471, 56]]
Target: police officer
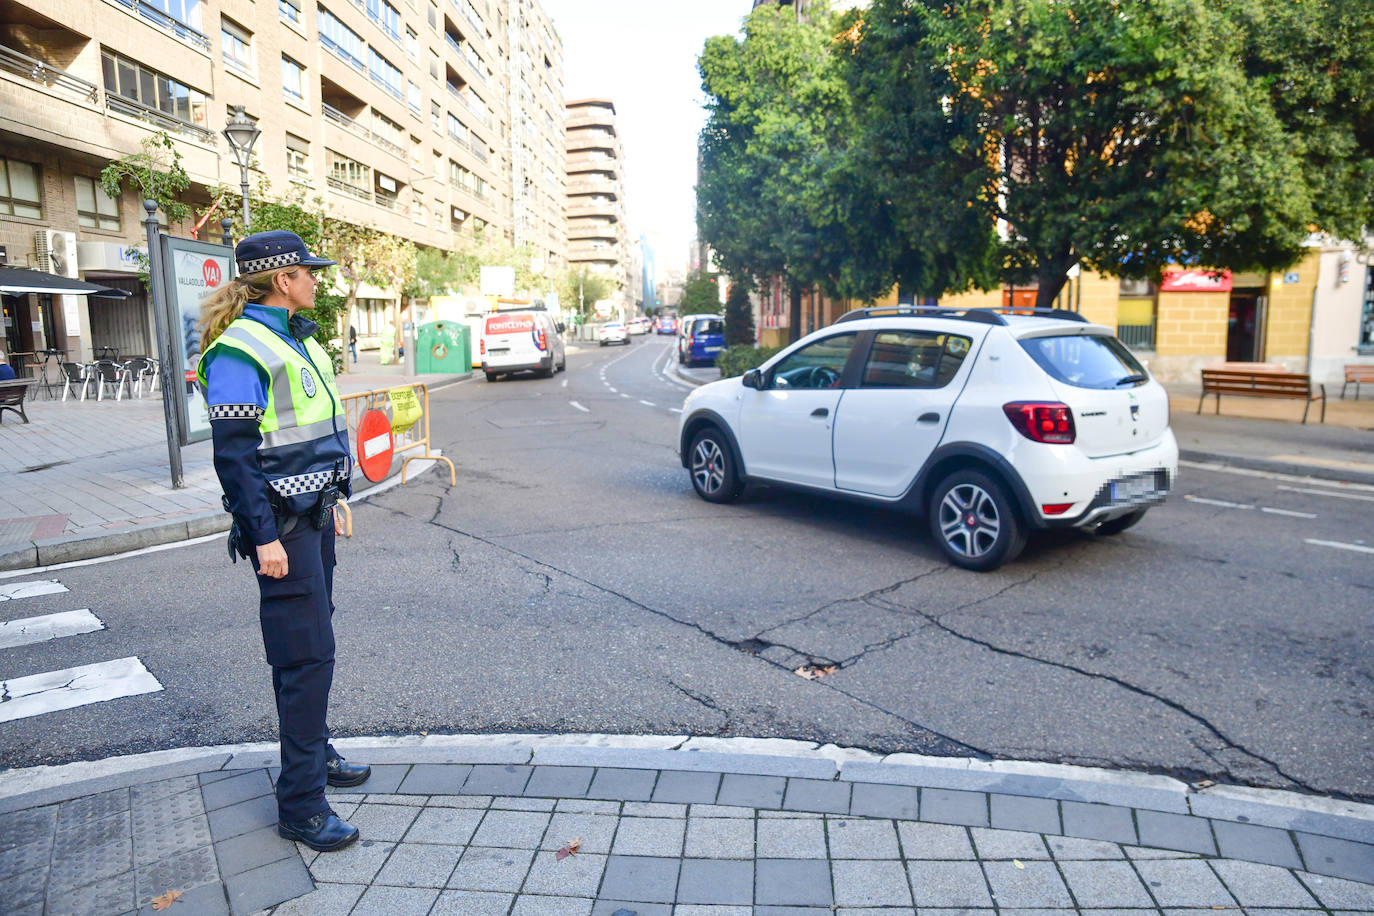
[[281, 452]]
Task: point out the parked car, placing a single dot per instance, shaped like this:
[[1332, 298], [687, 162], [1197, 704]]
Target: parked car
[[990, 425], [700, 338], [667, 325], [638, 325], [614, 332], [518, 341]]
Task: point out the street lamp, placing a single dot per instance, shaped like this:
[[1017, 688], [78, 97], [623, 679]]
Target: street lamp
[[242, 132]]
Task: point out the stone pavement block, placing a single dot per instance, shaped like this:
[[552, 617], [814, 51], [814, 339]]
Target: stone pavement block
[[186, 870], [715, 881], [751, 791], [419, 865], [1017, 812], [163, 788], [951, 806], [623, 785], [157, 814], [874, 800], [649, 836], [1253, 843], [653, 809], [537, 905], [720, 811], [1105, 884], [39, 855], [686, 787], [235, 789], [471, 903], [244, 817], [92, 807], [514, 829], [355, 864], [1098, 822], [510, 803], [792, 882], [1183, 882], [827, 796], [492, 779], [791, 838], [478, 802], [560, 782], [73, 836], [609, 907], [433, 779], [387, 823], [174, 838], [389, 901], [594, 830], [25, 886], [860, 882], [445, 826], [861, 839], [1175, 831], [385, 780], [91, 864], [483, 869], [1067, 848], [587, 806], [640, 878], [268, 885], [719, 838], [706, 909], [114, 894], [206, 900], [22, 828], [1036, 885], [1008, 844], [325, 900], [1338, 892], [574, 876], [797, 911], [1141, 853], [934, 841], [948, 884], [1262, 885], [251, 850], [1338, 858]]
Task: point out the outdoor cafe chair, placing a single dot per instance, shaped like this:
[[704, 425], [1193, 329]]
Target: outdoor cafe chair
[[73, 374], [110, 374], [139, 369]]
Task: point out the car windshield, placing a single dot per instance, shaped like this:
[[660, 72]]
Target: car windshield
[[1086, 361]]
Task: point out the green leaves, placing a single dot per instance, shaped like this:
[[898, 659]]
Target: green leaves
[[155, 172]]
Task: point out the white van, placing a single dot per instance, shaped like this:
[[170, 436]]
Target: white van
[[528, 339]]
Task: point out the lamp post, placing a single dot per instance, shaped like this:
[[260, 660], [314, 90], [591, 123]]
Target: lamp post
[[242, 132]]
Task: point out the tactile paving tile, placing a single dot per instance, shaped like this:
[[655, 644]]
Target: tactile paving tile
[[25, 827], [94, 807], [72, 838], [180, 872], [141, 795], [25, 858], [171, 840], [91, 864], [23, 887], [160, 813], [112, 895]]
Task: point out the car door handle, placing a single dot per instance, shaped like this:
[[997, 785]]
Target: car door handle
[[821, 412], [931, 417]]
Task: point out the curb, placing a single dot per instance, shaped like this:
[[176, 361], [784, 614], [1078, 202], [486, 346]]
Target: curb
[[1266, 465]]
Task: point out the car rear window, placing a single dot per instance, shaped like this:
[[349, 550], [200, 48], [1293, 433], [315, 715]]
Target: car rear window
[[1086, 361], [708, 326], [914, 359]]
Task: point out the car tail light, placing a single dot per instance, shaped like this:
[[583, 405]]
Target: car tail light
[[482, 348], [1056, 508], [1042, 421], [539, 340], [689, 340]]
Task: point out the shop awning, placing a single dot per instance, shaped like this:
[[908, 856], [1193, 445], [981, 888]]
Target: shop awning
[[16, 281]]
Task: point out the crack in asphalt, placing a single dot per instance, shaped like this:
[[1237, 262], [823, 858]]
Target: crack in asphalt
[[707, 702]]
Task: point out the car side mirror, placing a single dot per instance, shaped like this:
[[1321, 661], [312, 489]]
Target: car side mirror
[[753, 379]]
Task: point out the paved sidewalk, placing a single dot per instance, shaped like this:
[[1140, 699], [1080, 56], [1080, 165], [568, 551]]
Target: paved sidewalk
[[668, 825]]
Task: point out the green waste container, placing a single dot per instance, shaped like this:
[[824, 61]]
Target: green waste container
[[442, 347]]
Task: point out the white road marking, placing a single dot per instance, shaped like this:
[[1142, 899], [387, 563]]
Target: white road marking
[[647, 403], [16, 590], [1313, 490], [622, 394], [71, 687], [1358, 548], [613, 390], [1288, 512], [49, 626], [1215, 502], [565, 383], [579, 407], [675, 410]]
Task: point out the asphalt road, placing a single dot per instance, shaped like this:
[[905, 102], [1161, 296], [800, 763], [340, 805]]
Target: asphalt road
[[572, 581]]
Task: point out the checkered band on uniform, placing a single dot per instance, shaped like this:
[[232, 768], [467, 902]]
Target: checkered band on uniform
[[257, 265], [302, 483], [236, 412]]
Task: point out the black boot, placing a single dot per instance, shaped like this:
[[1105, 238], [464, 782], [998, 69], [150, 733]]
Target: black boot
[[340, 772], [324, 832]]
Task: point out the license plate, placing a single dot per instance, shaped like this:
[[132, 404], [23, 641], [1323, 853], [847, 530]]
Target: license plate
[[498, 350], [714, 349], [1129, 488]]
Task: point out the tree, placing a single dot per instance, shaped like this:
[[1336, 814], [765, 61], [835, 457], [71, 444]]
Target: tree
[[366, 256], [581, 288], [739, 316], [700, 294], [1118, 135], [155, 172]]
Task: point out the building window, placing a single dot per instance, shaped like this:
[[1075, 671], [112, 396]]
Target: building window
[[187, 12], [297, 158], [236, 43], [435, 117], [290, 10], [417, 153], [386, 191], [384, 73], [94, 208], [413, 98], [439, 167], [412, 44], [350, 176], [20, 193], [1367, 318], [131, 80], [432, 16], [417, 210], [456, 130], [1135, 314], [292, 78], [340, 39]]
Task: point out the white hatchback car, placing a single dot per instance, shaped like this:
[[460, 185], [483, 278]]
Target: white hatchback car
[[989, 424]]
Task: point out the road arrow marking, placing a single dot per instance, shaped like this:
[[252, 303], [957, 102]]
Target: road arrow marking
[[49, 626], [69, 688]]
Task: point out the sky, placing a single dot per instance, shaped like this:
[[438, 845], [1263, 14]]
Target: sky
[[642, 55]]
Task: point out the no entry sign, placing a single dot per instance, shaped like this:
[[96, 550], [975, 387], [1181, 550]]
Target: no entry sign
[[374, 445]]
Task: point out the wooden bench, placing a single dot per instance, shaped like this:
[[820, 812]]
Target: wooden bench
[[1262, 384], [12, 394], [1357, 373]]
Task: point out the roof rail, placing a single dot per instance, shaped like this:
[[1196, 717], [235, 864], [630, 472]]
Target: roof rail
[[982, 316]]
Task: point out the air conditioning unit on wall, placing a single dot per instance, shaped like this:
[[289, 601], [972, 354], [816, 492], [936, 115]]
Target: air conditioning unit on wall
[[55, 252]]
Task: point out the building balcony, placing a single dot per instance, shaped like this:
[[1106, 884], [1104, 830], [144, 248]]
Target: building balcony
[[357, 129], [166, 23], [606, 122], [609, 189], [12, 61]]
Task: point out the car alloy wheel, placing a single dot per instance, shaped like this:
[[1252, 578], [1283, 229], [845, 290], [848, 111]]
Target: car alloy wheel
[[973, 521], [713, 468]]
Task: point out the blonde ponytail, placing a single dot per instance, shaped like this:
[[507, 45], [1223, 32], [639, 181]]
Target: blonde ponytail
[[224, 306]]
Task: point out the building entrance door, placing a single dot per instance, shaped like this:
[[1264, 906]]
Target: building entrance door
[[1245, 326]]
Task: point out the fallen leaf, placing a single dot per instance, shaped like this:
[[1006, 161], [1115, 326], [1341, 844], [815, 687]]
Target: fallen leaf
[[811, 672], [1019, 864], [570, 849], [166, 900], [1204, 784]]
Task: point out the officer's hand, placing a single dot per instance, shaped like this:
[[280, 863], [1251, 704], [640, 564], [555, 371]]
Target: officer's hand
[[338, 520], [272, 560]]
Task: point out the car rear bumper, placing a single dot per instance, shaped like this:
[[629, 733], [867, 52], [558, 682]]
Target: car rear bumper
[[1099, 489], [515, 364]]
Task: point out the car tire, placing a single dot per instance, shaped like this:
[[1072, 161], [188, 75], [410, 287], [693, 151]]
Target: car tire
[[712, 467], [974, 522], [680, 360], [1121, 523], [492, 376]]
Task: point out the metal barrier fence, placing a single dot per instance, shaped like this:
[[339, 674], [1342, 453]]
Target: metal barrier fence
[[416, 436]]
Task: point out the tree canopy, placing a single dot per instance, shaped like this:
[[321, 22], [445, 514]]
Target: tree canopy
[[700, 294]]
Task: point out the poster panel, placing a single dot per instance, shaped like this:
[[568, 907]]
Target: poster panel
[[191, 270]]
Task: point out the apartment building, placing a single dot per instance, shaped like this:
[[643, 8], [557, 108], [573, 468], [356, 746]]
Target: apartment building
[[597, 236], [430, 120]]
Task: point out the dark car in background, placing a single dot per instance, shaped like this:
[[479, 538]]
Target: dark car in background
[[700, 339]]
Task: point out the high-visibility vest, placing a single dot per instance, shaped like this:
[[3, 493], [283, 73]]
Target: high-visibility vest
[[304, 428]]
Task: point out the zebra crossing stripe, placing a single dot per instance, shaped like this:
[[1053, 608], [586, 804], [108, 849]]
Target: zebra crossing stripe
[[11, 591], [49, 626], [22, 697]]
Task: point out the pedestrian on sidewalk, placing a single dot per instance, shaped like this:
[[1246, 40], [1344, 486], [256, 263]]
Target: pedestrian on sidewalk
[[353, 342], [282, 456]]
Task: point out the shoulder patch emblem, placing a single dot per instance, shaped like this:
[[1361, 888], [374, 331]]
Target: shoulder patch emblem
[[308, 382]]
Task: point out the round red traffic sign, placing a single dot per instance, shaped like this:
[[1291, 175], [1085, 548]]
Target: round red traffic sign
[[374, 445]]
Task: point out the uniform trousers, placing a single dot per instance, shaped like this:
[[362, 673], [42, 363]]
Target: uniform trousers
[[298, 633]]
